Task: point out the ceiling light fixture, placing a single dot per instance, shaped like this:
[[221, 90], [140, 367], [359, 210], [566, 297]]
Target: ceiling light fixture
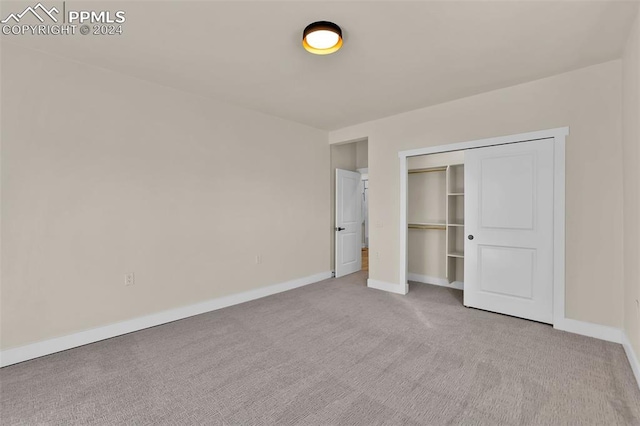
[[322, 38]]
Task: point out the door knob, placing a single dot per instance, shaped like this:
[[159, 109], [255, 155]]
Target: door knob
[[340, 229], [470, 237]]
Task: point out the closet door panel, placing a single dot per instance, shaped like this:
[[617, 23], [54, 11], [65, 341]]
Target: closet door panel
[[509, 229]]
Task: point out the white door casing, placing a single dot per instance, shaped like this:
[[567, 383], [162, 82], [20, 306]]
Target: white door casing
[[509, 199], [348, 229]]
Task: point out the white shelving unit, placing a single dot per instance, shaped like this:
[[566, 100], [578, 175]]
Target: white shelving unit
[[455, 224]]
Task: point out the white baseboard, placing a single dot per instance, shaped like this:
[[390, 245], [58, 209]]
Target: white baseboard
[[426, 279], [632, 357], [602, 332], [46, 347], [390, 287]]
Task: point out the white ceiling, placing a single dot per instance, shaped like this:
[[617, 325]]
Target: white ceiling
[[397, 56]]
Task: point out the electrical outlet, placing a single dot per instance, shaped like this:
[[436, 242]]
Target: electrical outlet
[[129, 279], [377, 255], [258, 259]]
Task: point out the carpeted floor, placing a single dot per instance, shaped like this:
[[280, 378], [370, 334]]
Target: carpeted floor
[[331, 353]]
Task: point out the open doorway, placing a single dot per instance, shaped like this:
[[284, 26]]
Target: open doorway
[[435, 216], [364, 179], [349, 207]]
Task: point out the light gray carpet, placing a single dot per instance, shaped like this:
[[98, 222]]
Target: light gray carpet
[[331, 353]]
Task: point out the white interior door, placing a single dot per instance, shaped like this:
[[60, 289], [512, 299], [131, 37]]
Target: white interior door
[[509, 229], [348, 223]]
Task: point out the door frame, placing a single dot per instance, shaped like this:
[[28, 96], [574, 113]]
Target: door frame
[[559, 135]]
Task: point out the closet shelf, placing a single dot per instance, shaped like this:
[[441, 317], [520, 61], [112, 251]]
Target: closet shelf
[[456, 254], [429, 222], [428, 225]]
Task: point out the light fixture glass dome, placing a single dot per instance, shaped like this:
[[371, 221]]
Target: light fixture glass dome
[[322, 38]]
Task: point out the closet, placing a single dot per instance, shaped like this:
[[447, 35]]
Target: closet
[[490, 219], [435, 214]]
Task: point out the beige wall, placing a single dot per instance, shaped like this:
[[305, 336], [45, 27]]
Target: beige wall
[[589, 101], [362, 154], [631, 163], [103, 174], [343, 157]]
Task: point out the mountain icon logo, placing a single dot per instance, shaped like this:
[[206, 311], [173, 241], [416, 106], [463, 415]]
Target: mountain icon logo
[[38, 11]]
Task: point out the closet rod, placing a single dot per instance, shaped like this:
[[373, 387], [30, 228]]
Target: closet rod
[[430, 169]]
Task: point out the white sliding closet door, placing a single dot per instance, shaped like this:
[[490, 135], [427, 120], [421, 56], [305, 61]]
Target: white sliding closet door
[[509, 229]]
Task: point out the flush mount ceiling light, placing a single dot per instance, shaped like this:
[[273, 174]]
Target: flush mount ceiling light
[[322, 38]]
